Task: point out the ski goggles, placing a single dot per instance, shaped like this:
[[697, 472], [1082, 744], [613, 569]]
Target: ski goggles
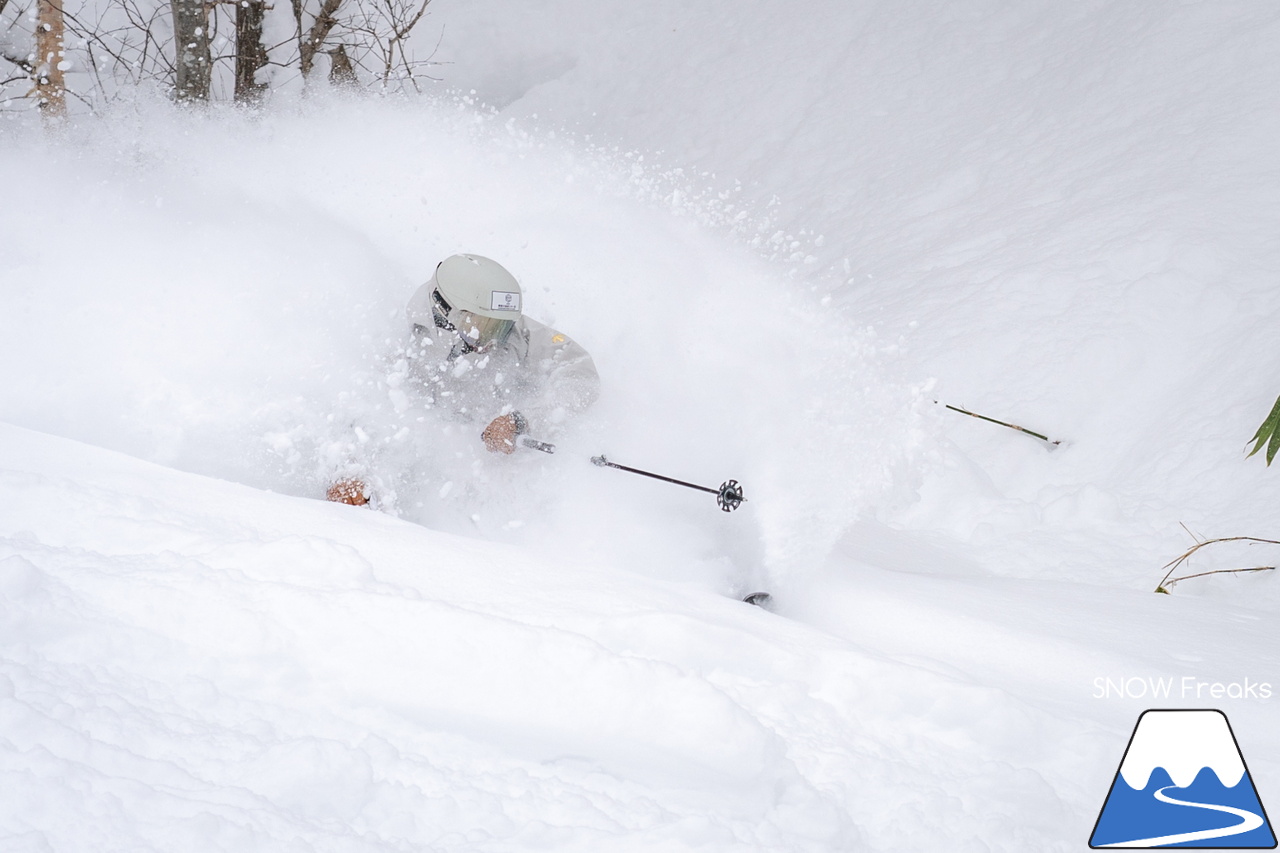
[[479, 332]]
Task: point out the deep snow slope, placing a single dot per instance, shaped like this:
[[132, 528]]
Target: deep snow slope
[[875, 123], [194, 664], [1065, 216], [1059, 216]]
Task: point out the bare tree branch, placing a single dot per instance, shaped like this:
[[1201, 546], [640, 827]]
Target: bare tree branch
[[24, 63]]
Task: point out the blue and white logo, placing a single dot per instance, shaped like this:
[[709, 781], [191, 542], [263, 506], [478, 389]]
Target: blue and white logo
[[1183, 783]]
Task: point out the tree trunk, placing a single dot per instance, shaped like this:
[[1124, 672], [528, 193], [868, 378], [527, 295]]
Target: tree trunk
[[194, 62], [309, 43], [51, 91], [250, 54], [341, 73]]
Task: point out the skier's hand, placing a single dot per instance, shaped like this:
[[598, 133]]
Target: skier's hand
[[349, 491], [500, 435]]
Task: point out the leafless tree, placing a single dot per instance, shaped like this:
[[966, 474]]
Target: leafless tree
[[341, 72], [107, 46], [251, 54], [312, 40], [51, 59], [384, 27], [19, 64], [193, 60], [126, 42]]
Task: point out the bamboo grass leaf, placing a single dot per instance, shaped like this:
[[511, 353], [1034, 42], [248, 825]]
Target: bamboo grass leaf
[[1273, 445], [1268, 434]]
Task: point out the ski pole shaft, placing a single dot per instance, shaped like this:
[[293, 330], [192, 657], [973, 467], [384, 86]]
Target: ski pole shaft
[[534, 444], [728, 497], [605, 463]]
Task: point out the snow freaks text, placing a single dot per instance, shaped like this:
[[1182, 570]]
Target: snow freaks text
[[1186, 687]]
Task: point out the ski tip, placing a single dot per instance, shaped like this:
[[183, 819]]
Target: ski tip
[[759, 599]]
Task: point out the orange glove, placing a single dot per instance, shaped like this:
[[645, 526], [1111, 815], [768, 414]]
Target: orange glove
[[349, 491], [500, 435]]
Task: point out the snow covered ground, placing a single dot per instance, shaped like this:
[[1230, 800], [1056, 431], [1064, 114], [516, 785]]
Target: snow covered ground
[[782, 238]]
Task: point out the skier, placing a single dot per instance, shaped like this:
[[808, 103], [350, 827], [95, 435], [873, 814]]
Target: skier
[[475, 356]]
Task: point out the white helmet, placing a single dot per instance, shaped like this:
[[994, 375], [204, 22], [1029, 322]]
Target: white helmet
[[471, 295]]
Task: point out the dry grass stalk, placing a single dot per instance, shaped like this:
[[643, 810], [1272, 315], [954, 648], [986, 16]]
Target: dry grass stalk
[[1166, 582]]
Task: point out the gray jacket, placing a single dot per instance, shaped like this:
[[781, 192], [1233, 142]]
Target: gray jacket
[[539, 372]]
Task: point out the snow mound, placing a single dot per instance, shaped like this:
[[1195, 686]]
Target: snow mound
[[193, 663]]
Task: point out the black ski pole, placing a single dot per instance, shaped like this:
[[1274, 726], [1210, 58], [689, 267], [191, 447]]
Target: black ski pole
[[728, 496]]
